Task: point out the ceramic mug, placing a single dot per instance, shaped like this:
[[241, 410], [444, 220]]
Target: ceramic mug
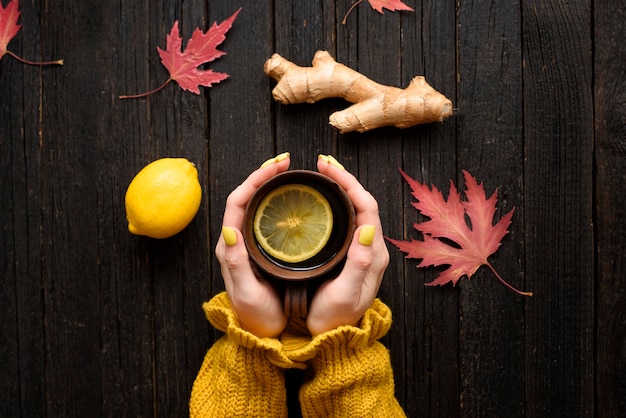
[[324, 265]]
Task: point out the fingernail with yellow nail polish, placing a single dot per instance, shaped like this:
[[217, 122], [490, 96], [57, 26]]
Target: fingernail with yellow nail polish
[[277, 159], [282, 157], [229, 235], [366, 236], [268, 162], [331, 160]]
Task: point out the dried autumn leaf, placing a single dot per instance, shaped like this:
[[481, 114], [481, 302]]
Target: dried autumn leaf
[[476, 242], [9, 28], [393, 5], [182, 65], [379, 5]]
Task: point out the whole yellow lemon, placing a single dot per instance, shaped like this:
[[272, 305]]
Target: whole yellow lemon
[[163, 198]]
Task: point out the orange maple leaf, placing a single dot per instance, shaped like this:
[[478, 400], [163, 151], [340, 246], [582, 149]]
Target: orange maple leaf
[[182, 65], [474, 242], [9, 28]]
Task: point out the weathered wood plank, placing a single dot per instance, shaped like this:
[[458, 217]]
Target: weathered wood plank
[[301, 29], [559, 261], [431, 316], [610, 182], [22, 329], [70, 113], [490, 141]]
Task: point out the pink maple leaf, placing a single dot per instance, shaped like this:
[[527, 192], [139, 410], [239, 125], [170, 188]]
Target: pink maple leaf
[[474, 242]]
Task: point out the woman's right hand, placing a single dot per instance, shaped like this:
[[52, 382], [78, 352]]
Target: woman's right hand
[[344, 300]]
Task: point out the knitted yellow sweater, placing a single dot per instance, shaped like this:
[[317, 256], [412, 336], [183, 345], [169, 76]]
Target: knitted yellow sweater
[[348, 371]]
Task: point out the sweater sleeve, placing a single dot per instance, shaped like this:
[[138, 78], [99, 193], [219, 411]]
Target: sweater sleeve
[[351, 372], [242, 375]]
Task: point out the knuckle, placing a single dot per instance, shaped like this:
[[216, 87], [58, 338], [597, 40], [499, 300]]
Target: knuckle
[[230, 261], [363, 261], [231, 198]]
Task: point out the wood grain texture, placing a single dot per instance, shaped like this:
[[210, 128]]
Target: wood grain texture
[[610, 187], [490, 147], [97, 322], [558, 192], [22, 330]]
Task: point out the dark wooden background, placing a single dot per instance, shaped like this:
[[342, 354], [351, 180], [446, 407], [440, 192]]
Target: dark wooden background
[[97, 322]]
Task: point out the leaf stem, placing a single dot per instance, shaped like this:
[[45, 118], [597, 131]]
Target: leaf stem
[[508, 285], [343, 22], [24, 61], [137, 96]]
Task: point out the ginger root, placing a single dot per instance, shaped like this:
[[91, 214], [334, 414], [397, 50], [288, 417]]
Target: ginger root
[[375, 104]]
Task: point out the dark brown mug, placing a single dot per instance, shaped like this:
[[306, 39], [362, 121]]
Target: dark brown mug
[[294, 278]]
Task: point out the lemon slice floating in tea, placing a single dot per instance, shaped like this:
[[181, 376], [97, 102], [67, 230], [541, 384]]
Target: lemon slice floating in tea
[[293, 222]]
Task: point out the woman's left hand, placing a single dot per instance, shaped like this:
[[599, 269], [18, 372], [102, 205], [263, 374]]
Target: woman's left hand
[[255, 302]]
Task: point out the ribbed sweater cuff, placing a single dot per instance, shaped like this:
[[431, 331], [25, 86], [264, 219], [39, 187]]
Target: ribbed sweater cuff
[[220, 314], [374, 325]]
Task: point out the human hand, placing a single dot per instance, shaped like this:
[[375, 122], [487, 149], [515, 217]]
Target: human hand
[[255, 301], [344, 300]]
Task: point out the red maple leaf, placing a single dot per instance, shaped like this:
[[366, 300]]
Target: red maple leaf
[[9, 28], [379, 5], [8, 24], [474, 242], [182, 65], [393, 5]]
